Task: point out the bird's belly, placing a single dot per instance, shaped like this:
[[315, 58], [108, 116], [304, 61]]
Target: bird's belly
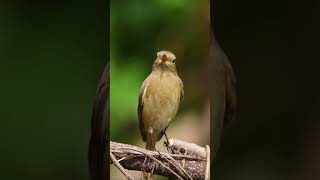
[[161, 105]]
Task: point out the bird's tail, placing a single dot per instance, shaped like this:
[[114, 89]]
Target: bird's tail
[[150, 145]]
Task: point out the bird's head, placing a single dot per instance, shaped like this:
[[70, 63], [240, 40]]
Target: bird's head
[[165, 61]]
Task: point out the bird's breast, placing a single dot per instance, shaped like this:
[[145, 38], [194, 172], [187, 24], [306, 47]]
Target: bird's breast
[[161, 100]]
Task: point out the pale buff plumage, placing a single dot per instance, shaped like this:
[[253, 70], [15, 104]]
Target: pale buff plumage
[[159, 98]]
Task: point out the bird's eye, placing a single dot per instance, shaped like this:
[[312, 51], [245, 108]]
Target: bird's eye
[[173, 61]]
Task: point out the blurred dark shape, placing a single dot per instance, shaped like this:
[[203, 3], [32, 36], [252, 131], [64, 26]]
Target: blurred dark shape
[[274, 49], [98, 147], [223, 100]]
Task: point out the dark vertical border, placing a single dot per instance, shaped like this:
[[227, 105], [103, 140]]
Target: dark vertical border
[[98, 155], [106, 22], [222, 90], [105, 17]]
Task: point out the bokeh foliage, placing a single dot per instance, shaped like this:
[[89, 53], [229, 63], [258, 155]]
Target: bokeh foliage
[[139, 29]]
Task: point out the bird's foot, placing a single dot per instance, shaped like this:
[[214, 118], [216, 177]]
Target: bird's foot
[[160, 155], [167, 144], [169, 147]]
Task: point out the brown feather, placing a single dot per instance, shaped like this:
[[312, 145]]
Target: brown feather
[[140, 110]]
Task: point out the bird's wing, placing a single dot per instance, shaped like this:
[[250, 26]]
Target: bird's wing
[[140, 109], [182, 91], [99, 129]]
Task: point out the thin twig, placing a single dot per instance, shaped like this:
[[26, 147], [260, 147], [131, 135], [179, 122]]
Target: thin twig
[[118, 165], [181, 169]]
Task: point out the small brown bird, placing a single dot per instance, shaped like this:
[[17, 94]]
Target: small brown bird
[[159, 99]]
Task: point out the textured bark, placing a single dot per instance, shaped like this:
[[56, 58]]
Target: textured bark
[[192, 160]]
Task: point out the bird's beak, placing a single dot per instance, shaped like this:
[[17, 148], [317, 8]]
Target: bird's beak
[[164, 59]]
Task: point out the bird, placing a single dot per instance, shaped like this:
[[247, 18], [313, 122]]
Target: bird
[[160, 96], [99, 140]]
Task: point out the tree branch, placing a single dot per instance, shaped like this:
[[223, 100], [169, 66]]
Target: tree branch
[[117, 164], [187, 161]]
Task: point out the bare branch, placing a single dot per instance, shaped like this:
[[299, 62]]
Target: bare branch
[[188, 161], [118, 165]]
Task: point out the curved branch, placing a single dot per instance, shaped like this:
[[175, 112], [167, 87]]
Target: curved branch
[[189, 161]]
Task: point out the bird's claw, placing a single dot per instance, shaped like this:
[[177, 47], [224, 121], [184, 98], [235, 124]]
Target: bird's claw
[[169, 148], [167, 144], [160, 155]]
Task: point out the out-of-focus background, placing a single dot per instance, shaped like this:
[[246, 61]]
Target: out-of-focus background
[[139, 29], [274, 49], [52, 54]]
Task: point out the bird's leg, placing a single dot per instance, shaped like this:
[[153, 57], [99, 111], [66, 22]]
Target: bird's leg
[[160, 156], [168, 146]]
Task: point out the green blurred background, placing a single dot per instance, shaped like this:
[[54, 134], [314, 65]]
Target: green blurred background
[[139, 29], [52, 54]]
